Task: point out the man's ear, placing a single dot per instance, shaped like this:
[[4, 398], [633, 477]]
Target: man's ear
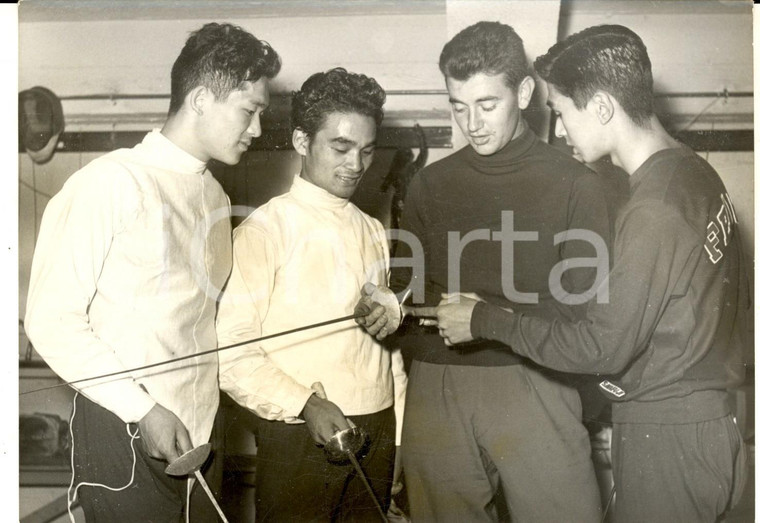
[[300, 141], [525, 92], [198, 99], [604, 107]]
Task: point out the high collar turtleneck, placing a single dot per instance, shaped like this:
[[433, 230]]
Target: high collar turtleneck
[[497, 163], [306, 191], [166, 154]]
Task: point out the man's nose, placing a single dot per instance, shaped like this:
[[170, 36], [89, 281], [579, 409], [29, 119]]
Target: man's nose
[[354, 161], [254, 127], [559, 129], [474, 121]]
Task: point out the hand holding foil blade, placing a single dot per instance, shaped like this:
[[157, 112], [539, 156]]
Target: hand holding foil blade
[[343, 446], [344, 443], [384, 310], [323, 417], [452, 316]]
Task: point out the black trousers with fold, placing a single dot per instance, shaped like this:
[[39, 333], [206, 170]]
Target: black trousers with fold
[[102, 454], [295, 481]]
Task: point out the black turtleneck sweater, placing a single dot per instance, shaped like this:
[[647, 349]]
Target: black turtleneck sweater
[[546, 192]]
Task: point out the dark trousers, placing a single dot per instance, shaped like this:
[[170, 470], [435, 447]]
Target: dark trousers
[[476, 437], [295, 481], [102, 454], [689, 472]]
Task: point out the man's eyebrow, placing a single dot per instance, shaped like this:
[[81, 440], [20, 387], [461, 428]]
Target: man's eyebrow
[[342, 140], [479, 100], [345, 141], [256, 102]]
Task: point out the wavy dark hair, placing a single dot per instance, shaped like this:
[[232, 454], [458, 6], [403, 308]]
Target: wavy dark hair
[[220, 57], [609, 58], [486, 47], [333, 91]]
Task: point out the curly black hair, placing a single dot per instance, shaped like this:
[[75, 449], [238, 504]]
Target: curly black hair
[[220, 57], [332, 91], [609, 58], [485, 47]]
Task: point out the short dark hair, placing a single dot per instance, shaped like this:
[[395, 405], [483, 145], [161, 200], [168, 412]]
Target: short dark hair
[[333, 91], [609, 58], [220, 57], [486, 47]]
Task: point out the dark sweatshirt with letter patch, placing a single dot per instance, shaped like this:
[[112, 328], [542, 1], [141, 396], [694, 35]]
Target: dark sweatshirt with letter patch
[[673, 332]]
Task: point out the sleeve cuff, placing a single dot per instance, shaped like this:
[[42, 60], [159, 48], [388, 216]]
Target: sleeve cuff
[[295, 408], [491, 322], [130, 403]]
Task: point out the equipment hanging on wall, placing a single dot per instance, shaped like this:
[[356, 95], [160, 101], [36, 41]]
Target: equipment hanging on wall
[[40, 122]]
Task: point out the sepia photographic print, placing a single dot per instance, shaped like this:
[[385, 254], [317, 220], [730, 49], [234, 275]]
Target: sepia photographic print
[[383, 260]]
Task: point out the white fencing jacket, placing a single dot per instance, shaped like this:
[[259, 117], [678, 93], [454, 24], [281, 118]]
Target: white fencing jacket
[[131, 257], [302, 258]]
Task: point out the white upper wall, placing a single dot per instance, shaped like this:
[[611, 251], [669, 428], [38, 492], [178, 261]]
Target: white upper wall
[[129, 56], [80, 47], [136, 56]]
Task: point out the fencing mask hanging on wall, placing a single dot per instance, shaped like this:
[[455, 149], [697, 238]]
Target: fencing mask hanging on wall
[[40, 120]]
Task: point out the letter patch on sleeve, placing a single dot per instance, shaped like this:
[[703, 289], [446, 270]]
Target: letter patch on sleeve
[[719, 229]]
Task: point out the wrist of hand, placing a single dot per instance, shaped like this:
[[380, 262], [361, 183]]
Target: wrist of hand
[[309, 403]]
